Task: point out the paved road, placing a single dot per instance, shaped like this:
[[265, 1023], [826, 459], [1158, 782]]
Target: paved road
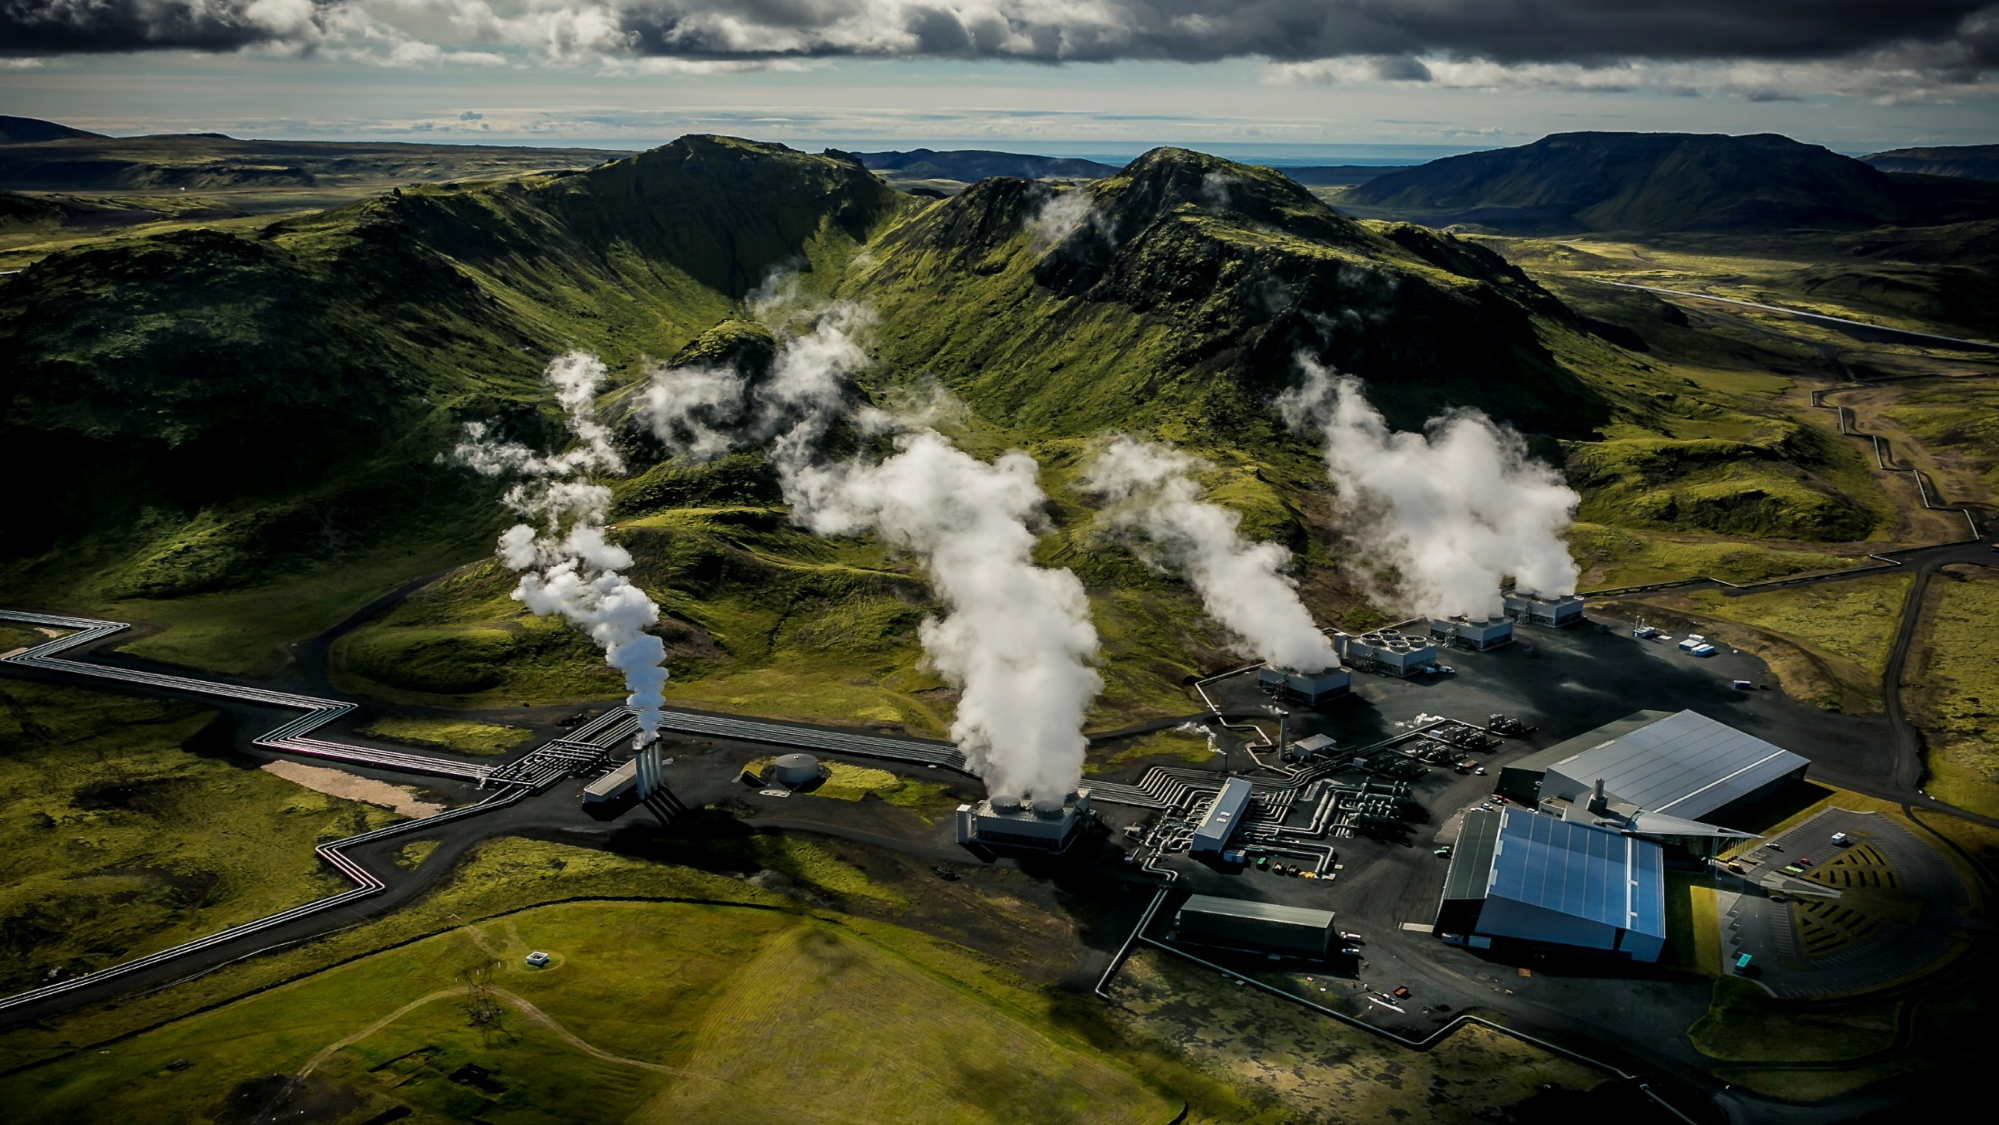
[[1919, 337]]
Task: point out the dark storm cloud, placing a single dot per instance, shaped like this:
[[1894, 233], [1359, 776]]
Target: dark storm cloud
[[60, 27], [1961, 34], [1586, 31]]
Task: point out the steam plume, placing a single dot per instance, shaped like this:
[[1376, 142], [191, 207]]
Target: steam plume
[[1018, 638], [1061, 216], [1455, 508], [566, 564], [1242, 584]]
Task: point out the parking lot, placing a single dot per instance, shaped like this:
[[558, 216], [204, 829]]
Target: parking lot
[[1819, 919]]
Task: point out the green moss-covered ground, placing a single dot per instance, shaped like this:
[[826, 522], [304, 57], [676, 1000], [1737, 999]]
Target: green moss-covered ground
[[759, 1008], [462, 735], [127, 826], [1951, 687]]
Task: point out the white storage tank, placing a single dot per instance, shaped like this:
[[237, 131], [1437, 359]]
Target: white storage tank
[[795, 771]]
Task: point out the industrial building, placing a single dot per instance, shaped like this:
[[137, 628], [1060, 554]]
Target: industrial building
[[1259, 927], [1553, 612], [1002, 823], [613, 785], [1224, 815], [1477, 634], [1658, 774], [1310, 688], [1522, 878], [1387, 650]]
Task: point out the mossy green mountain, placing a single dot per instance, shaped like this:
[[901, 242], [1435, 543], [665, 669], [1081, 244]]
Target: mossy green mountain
[[257, 406]]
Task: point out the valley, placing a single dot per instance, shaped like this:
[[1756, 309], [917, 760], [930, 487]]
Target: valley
[[256, 411]]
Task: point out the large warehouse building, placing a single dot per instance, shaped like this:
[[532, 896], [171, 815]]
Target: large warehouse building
[[1522, 878], [1672, 776], [1261, 927]]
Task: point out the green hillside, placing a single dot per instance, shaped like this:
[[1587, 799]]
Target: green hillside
[[249, 417]]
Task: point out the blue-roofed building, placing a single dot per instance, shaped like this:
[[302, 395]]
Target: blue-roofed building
[[1523, 878], [1223, 816]]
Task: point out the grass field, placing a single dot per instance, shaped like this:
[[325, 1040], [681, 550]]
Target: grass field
[[1827, 645], [1272, 1050], [127, 826], [1952, 688], [462, 735], [848, 782], [1618, 556], [1693, 941], [649, 1011]]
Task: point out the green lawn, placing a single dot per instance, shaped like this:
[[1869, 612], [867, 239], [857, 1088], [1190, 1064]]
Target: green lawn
[[649, 1011], [462, 735], [1953, 689]]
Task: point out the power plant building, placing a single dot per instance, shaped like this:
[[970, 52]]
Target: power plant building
[[613, 785], [1477, 634], [1306, 687], [1555, 613], [1225, 814], [1518, 877], [1259, 927], [1680, 765], [1002, 823], [1386, 650]]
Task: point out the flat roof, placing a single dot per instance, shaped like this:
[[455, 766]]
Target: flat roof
[[1686, 765], [1471, 856], [1224, 814], [1540, 760], [1580, 871], [1258, 911]]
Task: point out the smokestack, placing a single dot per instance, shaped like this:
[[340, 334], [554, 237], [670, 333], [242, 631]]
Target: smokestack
[[1242, 584], [1597, 800], [1454, 509]]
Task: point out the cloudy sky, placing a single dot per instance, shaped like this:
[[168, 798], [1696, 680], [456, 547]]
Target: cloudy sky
[[1311, 79]]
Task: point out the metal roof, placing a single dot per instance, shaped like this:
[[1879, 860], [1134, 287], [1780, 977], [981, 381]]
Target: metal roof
[[1580, 871], [1686, 765], [1540, 760], [1257, 911], [1471, 856], [1223, 815]]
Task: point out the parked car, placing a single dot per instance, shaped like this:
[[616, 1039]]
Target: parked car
[[1443, 851], [1804, 861], [1841, 839], [1793, 869], [1744, 685], [1498, 799]]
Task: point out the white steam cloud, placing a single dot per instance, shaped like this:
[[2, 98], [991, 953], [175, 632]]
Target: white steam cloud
[[702, 411], [1455, 509], [1018, 639], [1243, 585], [566, 564], [1061, 216]]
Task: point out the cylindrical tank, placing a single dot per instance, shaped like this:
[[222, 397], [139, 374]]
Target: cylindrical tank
[[795, 770]]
